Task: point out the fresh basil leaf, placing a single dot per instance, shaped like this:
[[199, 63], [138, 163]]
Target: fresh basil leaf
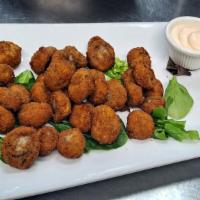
[[1, 142], [117, 70], [25, 78], [91, 144], [180, 134], [194, 135], [178, 124], [64, 125], [159, 113], [160, 134], [179, 102]]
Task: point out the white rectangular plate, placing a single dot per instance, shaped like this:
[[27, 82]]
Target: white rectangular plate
[[55, 172]]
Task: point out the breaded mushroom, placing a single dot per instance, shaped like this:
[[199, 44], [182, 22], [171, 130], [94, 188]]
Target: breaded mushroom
[[81, 117], [73, 55], [117, 95], [138, 55], [6, 74], [41, 59], [152, 102], [39, 91], [100, 54], [10, 53], [48, 137], [81, 85], [9, 100], [7, 120], [134, 91], [71, 143], [21, 147], [59, 73], [156, 91], [140, 125], [21, 92], [99, 95], [143, 76], [105, 125], [34, 114], [61, 105]]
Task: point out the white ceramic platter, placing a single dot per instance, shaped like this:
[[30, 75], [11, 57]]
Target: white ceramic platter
[[55, 172]]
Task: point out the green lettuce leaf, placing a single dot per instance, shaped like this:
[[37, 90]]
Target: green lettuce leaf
[[117, 70]]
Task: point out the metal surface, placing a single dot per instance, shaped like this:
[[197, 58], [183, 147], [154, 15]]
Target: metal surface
[[178, 181]]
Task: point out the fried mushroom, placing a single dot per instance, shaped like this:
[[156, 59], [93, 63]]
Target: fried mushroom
[[48, 137], [59, 73], [61, 105], [41, 59], [21, 147], [81, 85], [7, 120], [6, 74], [105, 125], [10, 53], [117, 95], [143, 76], [34, 114], [134, 91], [140, 125], [138, 55], [100, 54], [152, 102], [21, 92], [71, 143], [73, 55], [81, 117], [99, 95], [39, 91], [9, 100]]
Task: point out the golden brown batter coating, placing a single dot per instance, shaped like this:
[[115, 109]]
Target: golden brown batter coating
[[81, 85], [105, 125], [48, 137], [9, 100], [71, 143], [7, 120], [21, 92], [138, 55], [156, 91], [100, 54], [41, 59], [117, 95], [6, 74], [152, 102], [81, 117], [143, 76], [134, 91], [99, 95], [59, 72], [73, 55], [61, 105], [39, 91], [21, 147], [35, 114], [140, 125], [10, 53]]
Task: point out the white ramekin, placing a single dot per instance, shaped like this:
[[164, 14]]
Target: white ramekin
[[181, 56]]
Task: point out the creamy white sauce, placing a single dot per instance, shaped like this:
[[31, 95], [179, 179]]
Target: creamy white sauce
[[187, 35]]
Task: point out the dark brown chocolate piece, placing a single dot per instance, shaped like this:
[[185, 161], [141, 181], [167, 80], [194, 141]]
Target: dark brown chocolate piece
[[177, 69]]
